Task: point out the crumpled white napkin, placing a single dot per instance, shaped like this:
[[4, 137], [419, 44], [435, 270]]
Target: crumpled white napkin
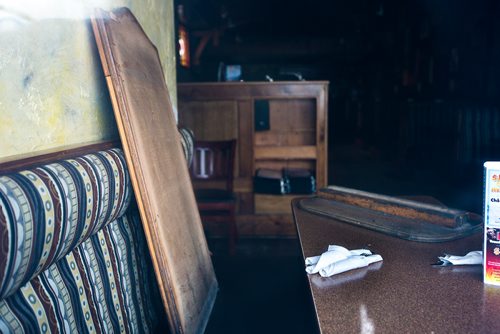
[[474, 257], [338, 259]]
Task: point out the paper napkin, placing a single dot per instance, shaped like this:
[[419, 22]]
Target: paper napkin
[[338, 259], [471, 258]]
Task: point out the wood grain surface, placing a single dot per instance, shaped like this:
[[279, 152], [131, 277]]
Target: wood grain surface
[[18, 163], [158, 170]]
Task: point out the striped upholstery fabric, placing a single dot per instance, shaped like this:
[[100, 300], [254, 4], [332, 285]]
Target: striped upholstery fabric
[[47, 211], [103, 285], [70, 259], [187, 141]]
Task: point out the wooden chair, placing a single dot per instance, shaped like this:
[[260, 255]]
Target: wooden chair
[[212, 174]]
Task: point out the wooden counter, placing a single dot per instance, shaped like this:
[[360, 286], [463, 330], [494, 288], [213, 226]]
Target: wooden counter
[[402, 294], [294, 135]]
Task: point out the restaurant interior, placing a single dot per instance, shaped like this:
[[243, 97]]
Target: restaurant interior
[[412, 108], [104, 219]]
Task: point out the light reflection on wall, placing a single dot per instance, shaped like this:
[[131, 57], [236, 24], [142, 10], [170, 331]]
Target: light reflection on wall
[[52, 91], [49, 9]]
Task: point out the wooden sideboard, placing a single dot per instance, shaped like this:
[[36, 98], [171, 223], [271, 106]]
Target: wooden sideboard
[[293, 134]]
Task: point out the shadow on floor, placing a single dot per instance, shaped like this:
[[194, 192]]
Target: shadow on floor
[[262, 289]]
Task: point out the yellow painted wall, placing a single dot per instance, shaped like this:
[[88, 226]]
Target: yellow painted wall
[[52, 90]]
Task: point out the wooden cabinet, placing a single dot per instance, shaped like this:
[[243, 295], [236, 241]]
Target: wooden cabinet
[[293, 134]]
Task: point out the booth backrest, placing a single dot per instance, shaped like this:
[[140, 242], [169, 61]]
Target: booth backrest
[[73, 257]]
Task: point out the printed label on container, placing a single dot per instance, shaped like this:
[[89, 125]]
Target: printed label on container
[[491, 246], [492, 256]]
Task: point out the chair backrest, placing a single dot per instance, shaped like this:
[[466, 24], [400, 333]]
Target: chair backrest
[[214, 161]]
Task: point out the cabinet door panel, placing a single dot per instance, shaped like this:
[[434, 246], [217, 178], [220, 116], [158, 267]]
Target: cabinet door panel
[[211, 120]]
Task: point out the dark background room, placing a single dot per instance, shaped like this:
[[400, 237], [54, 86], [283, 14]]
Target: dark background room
[[413, 105]]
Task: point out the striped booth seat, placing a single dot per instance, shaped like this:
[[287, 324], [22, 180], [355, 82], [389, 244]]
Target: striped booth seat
[[73, 256]]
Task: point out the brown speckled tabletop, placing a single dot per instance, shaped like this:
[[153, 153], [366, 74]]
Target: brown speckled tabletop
[[402, 294]]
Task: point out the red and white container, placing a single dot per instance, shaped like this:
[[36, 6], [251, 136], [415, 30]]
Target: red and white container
[[491, 214]]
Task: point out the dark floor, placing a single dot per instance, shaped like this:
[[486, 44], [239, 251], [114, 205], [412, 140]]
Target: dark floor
[[263, 288]]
